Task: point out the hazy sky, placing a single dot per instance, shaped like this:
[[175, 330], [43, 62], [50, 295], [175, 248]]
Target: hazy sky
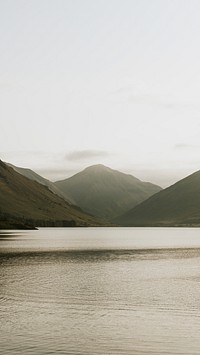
[[115, 82]]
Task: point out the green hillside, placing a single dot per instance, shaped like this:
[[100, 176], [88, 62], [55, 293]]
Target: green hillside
[[26, 202], [178, 205], [30, 174]]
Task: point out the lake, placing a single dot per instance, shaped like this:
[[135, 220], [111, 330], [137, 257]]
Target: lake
[[100, 291]]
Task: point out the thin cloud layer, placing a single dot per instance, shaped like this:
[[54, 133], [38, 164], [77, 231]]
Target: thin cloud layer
[[134, 95], [161, 101], [86, 154], [184, 146]]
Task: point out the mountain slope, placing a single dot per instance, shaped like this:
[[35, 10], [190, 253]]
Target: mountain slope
[[104, 192], [24, 200], [30, 174], [178, 205]]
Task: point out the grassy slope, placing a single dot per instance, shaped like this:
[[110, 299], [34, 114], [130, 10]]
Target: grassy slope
[[177, 205], [30, 174], [22, 198]]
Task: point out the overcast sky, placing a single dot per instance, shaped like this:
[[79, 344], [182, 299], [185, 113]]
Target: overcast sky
[[115, 82]]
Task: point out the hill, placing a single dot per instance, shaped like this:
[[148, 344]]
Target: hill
[[104, 192], [178, 205], [32, 175], [24, 202]]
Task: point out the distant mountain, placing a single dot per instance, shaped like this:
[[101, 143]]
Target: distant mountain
[[178, 205], [104, 192], [30, 174], [26, 202]]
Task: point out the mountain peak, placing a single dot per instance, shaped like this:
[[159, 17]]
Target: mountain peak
[[97, 168], [25, 202], [105, 192]]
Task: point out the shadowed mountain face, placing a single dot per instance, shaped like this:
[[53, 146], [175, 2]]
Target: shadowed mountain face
[[104, 192], [24, 201], [178, 205]]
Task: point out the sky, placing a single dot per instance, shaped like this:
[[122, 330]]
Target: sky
[[113, 82]]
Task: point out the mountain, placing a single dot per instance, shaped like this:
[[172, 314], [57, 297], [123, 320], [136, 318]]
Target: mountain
[[26, 202], [178, 205], [104, 192], [30, 174]]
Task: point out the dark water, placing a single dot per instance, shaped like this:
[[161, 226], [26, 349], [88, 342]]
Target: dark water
[[100, 291]]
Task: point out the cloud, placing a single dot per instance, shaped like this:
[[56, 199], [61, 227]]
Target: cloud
[[159, 101], [127, 94], [85, 154], [184, 146], [122, 90]]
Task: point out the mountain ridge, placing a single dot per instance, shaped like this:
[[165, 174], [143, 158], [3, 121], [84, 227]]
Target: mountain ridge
[[23, 201], [177, 205], [32, 175], [104, 192]]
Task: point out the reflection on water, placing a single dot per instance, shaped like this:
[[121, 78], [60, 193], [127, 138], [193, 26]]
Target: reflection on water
[[100, 291]]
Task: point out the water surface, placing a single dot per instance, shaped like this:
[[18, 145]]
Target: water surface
[[100, 291]]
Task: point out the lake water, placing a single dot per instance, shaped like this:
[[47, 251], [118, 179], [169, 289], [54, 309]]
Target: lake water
[[100, 291]]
